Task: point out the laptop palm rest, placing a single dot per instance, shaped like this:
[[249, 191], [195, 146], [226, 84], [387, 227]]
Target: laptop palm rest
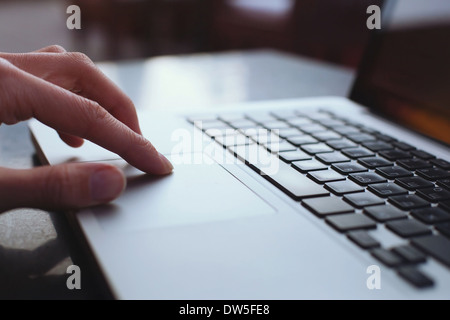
[[192, 194]]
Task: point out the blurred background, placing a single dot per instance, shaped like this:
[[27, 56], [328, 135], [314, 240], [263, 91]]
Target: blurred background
[[328, 30]]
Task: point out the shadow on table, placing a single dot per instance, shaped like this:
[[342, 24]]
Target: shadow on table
[[40, 274]]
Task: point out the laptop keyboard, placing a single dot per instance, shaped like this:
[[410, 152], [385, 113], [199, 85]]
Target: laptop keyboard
[[354, 177]]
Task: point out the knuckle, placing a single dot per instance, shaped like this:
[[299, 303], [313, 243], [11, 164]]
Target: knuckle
[[139, 143], [79, 58], [55, 48], [144, 143], [94, 116], [82, 67], [97, 113]]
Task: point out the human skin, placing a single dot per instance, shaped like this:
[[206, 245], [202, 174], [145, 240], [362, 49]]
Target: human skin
[[67, 92]]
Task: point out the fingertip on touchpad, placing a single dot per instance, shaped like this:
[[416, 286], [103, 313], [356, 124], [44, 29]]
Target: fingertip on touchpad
[[192, 194]]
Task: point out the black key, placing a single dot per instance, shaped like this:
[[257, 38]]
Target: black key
[[282, 146], [322, 176], [327, 206], [348, 167], [433, 173], [387, 189], [443, 228], [360, 137], [414, 183], [356, 153], [341, 144], [431, 215], [368, 130], [436, 246], [384, 213], [289, 156], [415, 277], [326, 135], [363, 199], [434, 194], [281, 174], [395, 154], [374, 162], [384, 137], [289, 132], [332, 157], [441, 163], [366, 178], [301, 140], [408, 202], [312, 128], [444, 183], [387, 257], [403, 146], [256, 157], [363, 239], [342, 187], [377, 145], [407, 228], [413, 164], [445, 205], [410, 254], [344, 130], [308, 165], [422, 154], [392, 172], [350, 221], [316, 148]]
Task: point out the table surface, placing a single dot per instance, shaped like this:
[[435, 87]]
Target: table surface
[[36, 246]]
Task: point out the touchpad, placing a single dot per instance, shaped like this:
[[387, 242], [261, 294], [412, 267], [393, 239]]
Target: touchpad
[[192, 194]]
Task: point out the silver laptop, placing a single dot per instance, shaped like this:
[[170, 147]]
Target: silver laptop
[[318, 198]]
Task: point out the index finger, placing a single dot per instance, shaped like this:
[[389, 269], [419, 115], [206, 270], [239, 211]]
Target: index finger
[[75, 72], [79, 116]]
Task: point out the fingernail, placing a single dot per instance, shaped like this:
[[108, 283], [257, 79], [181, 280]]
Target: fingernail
[[166, 163], [106, 184]]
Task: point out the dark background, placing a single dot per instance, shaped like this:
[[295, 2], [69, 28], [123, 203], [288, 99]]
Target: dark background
[[329, 30]]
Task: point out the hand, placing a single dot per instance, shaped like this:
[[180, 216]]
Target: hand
[[68, 93]]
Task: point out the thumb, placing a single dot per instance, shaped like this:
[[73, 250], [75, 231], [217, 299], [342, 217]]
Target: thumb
[[64, 186]]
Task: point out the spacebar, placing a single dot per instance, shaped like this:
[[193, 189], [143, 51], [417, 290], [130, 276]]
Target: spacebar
[[281, 174]]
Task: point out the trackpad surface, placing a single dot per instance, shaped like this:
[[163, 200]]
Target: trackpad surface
[[192, 194]]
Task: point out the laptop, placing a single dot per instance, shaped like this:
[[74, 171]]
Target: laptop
[[312, 198]]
